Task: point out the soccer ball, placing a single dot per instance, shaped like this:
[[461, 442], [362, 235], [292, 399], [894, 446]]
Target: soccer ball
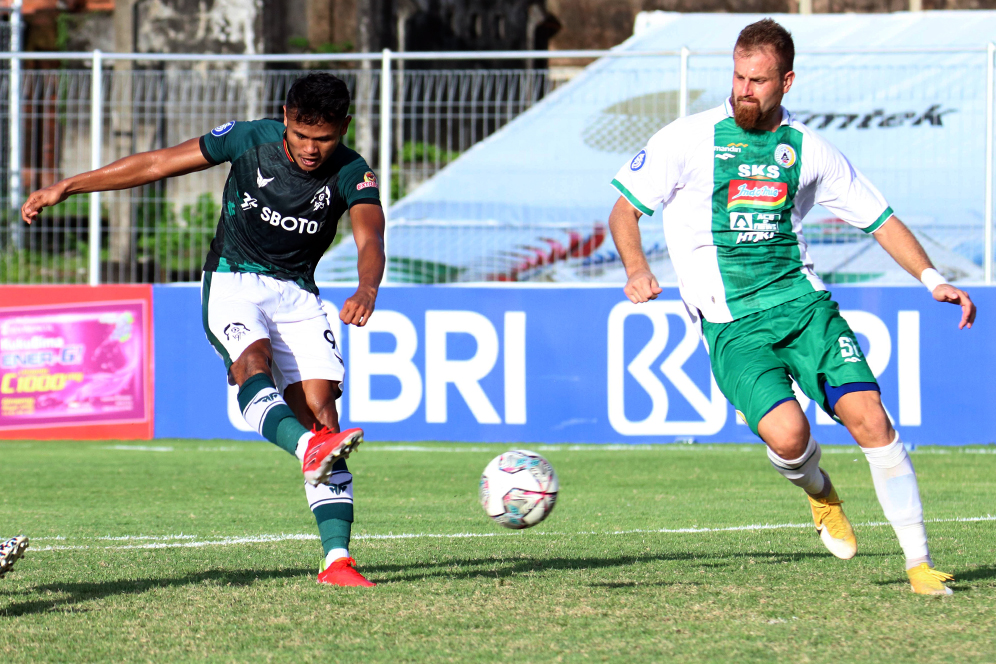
[[519, 489]]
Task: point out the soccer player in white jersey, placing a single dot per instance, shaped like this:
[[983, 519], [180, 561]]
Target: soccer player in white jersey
[[735, 183]]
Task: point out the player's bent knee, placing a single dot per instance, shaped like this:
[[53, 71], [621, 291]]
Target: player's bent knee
[[785, 430], [254, 360]]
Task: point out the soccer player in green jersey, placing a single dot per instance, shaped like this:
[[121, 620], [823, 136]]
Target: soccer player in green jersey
[[289, 184], [735, 183]]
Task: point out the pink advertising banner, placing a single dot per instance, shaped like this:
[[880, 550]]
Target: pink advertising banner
[[74, 364]]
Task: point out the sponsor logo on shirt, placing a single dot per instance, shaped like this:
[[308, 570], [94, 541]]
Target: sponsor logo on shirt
[[248, 202], [290, 224], [638, 161], [754, 226], [221, 130], [726, 155], [785, 155], [260, 180], [758, 171], [369, 180], [730, 147], [754, 194]]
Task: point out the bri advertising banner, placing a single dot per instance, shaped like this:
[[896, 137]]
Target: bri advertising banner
[[579, 365], [75, 362]]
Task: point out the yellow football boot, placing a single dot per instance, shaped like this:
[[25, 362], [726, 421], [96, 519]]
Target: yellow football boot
[[834, 528], [926, 580]]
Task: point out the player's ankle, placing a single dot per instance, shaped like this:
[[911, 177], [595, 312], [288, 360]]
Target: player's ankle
[[334, 555], [302, 445]]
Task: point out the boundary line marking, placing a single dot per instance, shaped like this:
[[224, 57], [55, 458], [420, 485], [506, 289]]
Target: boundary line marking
[[463, 448], [168, 541]]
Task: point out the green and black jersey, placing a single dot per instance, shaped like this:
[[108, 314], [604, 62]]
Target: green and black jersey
[[277, 219]]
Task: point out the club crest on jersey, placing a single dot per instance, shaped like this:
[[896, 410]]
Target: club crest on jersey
[[221, 130], [785, 155], [638, 161], [321, 198], [235, 331], [369, 180], [754, 194]]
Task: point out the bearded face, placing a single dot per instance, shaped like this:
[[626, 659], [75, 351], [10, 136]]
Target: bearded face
[[746, 112], [758, 88]]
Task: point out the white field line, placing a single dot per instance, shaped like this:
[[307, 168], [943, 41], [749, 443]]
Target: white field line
[[498, 447], [163, 542]]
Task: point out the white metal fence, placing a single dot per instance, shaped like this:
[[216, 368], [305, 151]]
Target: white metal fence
[[92, 108]]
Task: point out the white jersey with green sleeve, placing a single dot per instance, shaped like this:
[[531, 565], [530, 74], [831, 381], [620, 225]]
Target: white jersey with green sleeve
[[734, 201]]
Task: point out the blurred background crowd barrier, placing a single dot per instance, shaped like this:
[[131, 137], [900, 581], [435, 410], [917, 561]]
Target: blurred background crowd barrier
[[494, 166]]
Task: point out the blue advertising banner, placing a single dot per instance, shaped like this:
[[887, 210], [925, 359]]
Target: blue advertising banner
[[578, 365]]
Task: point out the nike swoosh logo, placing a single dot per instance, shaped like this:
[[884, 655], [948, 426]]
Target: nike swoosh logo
[[261, 181]]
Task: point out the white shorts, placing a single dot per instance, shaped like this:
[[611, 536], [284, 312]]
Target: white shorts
[[239, 308]]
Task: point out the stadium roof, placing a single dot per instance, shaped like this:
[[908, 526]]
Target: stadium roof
[[914, 122]]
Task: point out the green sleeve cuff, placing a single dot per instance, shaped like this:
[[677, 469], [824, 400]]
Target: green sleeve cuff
[[631, 198], [882, 218]]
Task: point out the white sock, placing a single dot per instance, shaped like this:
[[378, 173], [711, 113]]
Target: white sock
[[897, 490], [803, 472], [334, 555], [302, 446]]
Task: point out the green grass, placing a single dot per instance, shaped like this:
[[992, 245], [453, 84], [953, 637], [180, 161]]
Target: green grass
[[578, 587]]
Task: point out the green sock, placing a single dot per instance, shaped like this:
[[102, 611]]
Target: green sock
[[335, 520], [266, 411]]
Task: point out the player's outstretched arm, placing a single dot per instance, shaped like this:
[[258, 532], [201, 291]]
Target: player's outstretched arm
[[904, 248], [624, 223], [133, 171], [368, 231]]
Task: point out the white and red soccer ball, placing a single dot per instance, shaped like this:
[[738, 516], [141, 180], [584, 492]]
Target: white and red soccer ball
[[519, 489]]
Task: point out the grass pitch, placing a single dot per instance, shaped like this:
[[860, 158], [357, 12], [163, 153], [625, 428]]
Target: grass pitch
[[206, 551]]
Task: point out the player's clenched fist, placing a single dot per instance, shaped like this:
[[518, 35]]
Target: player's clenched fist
[[357, 309], [42, 198], [641, 287]]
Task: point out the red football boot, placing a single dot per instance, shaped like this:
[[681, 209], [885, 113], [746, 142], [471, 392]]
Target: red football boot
[[324, 449], [342, 572]]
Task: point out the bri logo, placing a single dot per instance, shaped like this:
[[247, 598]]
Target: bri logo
[[752, 194]]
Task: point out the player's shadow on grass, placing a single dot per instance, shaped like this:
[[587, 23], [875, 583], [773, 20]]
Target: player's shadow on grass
[[81, 592], [498, 568]]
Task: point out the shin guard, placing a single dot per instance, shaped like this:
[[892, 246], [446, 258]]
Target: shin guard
[[898, 492]]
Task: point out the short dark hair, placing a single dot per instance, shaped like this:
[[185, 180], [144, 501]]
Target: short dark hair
[[767, 32], [319, 97]]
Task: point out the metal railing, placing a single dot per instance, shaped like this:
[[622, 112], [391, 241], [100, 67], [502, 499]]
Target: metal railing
[[411, 123]]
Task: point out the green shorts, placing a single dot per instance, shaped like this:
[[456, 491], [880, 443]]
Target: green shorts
[[755, 358]]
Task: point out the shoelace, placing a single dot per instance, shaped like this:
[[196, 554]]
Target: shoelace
[[934, 574], [345, 562]]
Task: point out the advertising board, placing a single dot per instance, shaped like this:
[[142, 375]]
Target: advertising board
[[579, 365], [75, 362]]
